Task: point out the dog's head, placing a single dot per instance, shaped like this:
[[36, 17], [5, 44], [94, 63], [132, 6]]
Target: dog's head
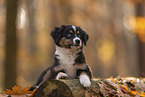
[[69, 36]]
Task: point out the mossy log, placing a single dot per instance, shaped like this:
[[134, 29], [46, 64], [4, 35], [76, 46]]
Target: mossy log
[[65, 88], [112, 87]]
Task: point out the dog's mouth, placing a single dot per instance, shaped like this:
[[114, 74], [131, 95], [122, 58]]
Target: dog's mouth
[[71, 45], [75, 46]]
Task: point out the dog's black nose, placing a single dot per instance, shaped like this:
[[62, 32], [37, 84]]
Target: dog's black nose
[[77, 41]]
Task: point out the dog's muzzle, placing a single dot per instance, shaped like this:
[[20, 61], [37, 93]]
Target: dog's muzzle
[[77, 41]]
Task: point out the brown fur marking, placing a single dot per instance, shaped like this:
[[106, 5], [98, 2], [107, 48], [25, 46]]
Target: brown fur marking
[[78, 32], [70, 31], [64, 42]]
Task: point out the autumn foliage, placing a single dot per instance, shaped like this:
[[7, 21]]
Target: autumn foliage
[[110, 87], [17, 90], [122, 87]]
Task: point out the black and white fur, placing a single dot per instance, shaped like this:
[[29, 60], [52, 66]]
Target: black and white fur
[[69, 60]]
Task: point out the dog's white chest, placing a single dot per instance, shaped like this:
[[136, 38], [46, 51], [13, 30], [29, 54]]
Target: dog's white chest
[[70, 71], [67, 61]]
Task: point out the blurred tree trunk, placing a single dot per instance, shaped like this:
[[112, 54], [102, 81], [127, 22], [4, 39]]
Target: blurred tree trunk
[[11, 44], [140, 12], [31, 28], [64, 9]]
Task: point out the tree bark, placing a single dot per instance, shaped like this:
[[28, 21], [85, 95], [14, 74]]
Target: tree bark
[[11, 44], [112, 87], [140, 12], [31, 36], [65, 88]]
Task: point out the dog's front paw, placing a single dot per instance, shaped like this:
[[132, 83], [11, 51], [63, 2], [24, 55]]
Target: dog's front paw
[[84, 80], [61, 75]]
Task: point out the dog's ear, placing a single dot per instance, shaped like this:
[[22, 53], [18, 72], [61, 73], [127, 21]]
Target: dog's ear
[[85, 37], [57, 33]]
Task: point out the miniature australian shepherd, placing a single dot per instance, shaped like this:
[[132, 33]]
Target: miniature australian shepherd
[[69, 60]]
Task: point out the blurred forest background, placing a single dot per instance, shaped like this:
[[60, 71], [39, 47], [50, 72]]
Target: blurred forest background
[[116, 45]]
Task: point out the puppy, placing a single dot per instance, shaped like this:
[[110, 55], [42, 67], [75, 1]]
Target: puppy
[[69, 60]]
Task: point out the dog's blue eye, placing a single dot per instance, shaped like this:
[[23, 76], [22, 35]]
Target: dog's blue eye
[[68, 35]]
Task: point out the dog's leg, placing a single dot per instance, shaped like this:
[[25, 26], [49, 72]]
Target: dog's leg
[[61, 75], [84, 79], [42, 78]]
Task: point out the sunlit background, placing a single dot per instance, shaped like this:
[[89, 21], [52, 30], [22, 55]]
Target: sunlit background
[[116, 31]]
